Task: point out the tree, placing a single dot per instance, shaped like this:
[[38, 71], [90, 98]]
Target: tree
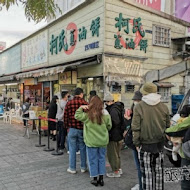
[[36, 10]]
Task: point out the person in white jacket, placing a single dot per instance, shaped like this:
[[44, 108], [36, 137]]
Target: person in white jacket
[[60, 114]]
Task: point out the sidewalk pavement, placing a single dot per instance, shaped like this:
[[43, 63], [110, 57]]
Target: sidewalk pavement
[[26, 167]]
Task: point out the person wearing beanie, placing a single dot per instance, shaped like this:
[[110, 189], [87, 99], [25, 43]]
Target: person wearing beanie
[[129, 138], [150, 119], [75, 135], [116, 112]]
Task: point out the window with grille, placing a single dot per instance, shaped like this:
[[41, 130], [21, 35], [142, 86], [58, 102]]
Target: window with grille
[[129, 88], [116, 88], [165, 94], [161, 36]]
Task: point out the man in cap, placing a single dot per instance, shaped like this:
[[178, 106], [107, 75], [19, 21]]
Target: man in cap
[[75, 135], [150, 119], [116, 111]]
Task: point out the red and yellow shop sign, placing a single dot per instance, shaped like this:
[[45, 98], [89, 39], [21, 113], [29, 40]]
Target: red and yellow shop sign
[[30, 81]]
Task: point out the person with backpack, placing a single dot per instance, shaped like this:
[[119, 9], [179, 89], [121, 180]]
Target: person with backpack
[[150, 119], [129, 139], [116, 111]]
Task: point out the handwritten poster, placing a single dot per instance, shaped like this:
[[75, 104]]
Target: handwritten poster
[[34, 50]]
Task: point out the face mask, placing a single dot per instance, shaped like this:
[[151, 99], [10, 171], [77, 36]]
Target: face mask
[[135, 103]]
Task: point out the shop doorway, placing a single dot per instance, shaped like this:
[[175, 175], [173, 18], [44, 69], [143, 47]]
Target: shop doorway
[[34, 92], [69, 87]]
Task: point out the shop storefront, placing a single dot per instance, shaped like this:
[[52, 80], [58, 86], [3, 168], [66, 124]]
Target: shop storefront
[[138, 41], [101, 46], [76, 42]]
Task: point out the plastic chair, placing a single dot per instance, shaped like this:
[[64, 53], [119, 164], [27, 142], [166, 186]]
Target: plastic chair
[[11, 115], [6, 116], [18, 113]]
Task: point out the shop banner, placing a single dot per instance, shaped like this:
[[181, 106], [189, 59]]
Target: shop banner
[[10, 61], [182, 10], [155, 4], [34, 51], [78, 36], [30, 81]]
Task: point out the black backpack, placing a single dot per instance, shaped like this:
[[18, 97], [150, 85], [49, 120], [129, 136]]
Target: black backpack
[[128, 139]]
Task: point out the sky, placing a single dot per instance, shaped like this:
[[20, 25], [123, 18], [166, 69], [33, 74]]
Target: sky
[[14, 25]]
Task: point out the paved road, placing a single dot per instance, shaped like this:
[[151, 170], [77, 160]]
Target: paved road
[[26, 167]]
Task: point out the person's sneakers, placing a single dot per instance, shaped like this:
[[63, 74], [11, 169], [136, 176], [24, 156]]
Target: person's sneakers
[[120, 171], [136, 187], [61, 148], [113, 174], [83, 171], [71, 171], [77, 153]]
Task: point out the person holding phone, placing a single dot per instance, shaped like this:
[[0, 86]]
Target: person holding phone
[[97, 123]]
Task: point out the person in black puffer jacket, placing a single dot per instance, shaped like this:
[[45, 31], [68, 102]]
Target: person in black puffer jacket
[[52, 111], [116, 111]]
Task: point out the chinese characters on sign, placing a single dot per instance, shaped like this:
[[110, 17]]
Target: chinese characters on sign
[[34, 50], [176, 174], [62, 42], [124, 23]]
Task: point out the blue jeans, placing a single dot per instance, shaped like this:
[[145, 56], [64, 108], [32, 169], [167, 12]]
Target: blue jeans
[[96, 161], [76, 139], [68, 145], [137, 163]]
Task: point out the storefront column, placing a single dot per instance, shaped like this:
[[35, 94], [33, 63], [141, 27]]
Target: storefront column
[[51, 91]]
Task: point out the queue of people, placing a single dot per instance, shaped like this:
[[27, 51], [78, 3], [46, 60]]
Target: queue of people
[[97, 129]]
